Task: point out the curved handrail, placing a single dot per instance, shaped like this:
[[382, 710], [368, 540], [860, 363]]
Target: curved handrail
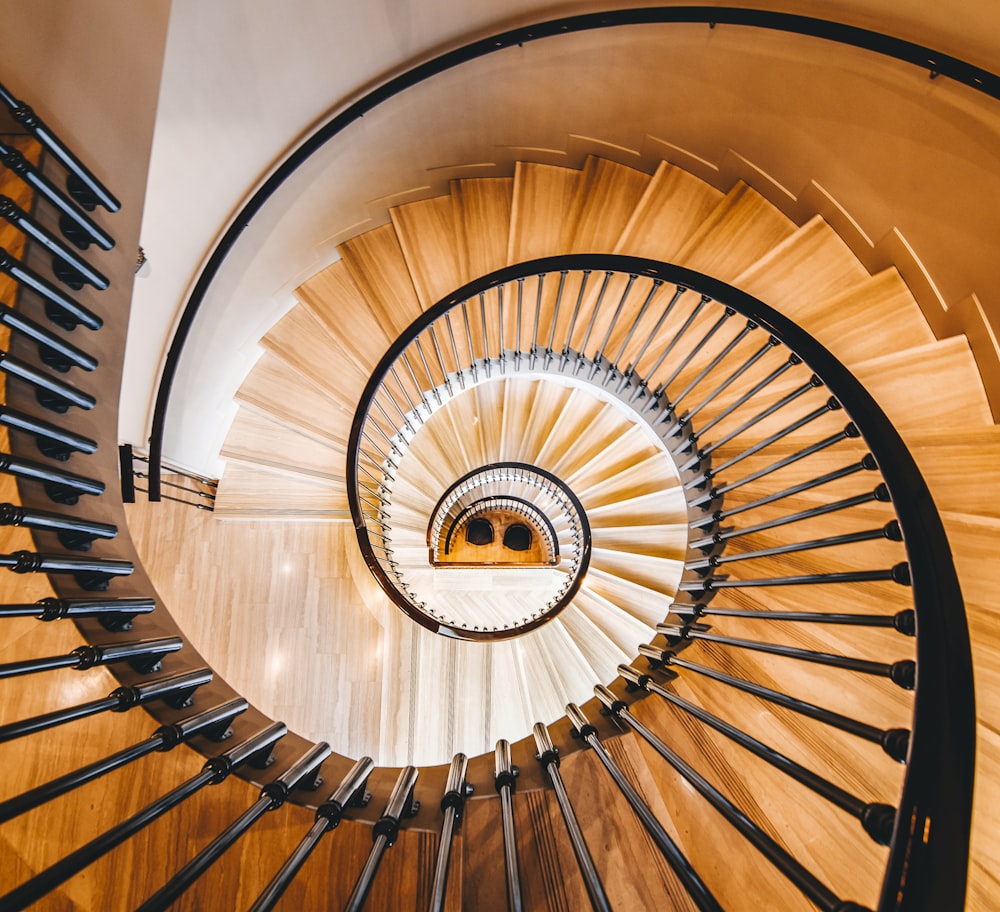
[[867, 39], [931, 837]]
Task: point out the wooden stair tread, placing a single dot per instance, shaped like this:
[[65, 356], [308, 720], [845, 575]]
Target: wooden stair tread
[[943, 367], [300, 338], [482, 209], [542, 196], [812, 264], [652, 572], [377, 265], [336, 300], [874, 318], [275, 388], [645, 604], [254, 437], [427, 236], [738, 232], [246, 489], [653, 540], [673, 205], [606, 195]]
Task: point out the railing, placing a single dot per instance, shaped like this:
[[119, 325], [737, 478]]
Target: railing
[[547, 503], [726, 382], [189, 488], [734, 389]]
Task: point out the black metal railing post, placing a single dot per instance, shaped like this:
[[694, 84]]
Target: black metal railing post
[[400, 804], [548, 757]]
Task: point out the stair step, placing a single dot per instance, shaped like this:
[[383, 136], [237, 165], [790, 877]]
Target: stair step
[[601, 651], [543, 194], [301, 339], [645, 604], [377, 265], [868, 320], [672, 207], [653, 540], [943, 366], [482, 215], [277, 389], [962, 468], [623, 629], [254, 437], [606, 195], [812, 264], [740, 230], [659, 574], [336, 300], [655, 473], [427, 235], [253, 490]]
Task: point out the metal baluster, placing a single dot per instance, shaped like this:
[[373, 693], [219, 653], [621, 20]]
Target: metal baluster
[[456, 790], [903, 621], [630, 371], [548, 757], [51, 392], [255, 751], [143, 655], [850, 431], [572, 321], [176, 690], [689, 357], [890, 531], [598, 304], [538, 311], [76, 225], [634, 326], [714, 363], [62, 487], [384, 834], [901, 673], [51, 440], [894, 741], [831, 405], [791, 362], [694, 885], [63, 310], [88, 190], [114, 614], [866, 463], [611, 327], [454, 348], [813, 888], [685, 326], [79, 270], [75, 534], [53, 351], [504, 779], [351, 792], [213, 723], [304, 773]]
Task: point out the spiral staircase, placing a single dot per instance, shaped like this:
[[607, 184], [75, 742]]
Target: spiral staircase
[[580, 384]]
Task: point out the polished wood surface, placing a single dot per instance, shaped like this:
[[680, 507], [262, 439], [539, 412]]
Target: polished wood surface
[[870, 322]]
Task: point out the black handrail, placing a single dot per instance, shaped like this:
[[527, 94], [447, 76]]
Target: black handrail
[[918, 55], [88, 189], [938, 785], [255, 751]]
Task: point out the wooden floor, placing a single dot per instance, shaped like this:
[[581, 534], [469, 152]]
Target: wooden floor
[[276, 611]]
